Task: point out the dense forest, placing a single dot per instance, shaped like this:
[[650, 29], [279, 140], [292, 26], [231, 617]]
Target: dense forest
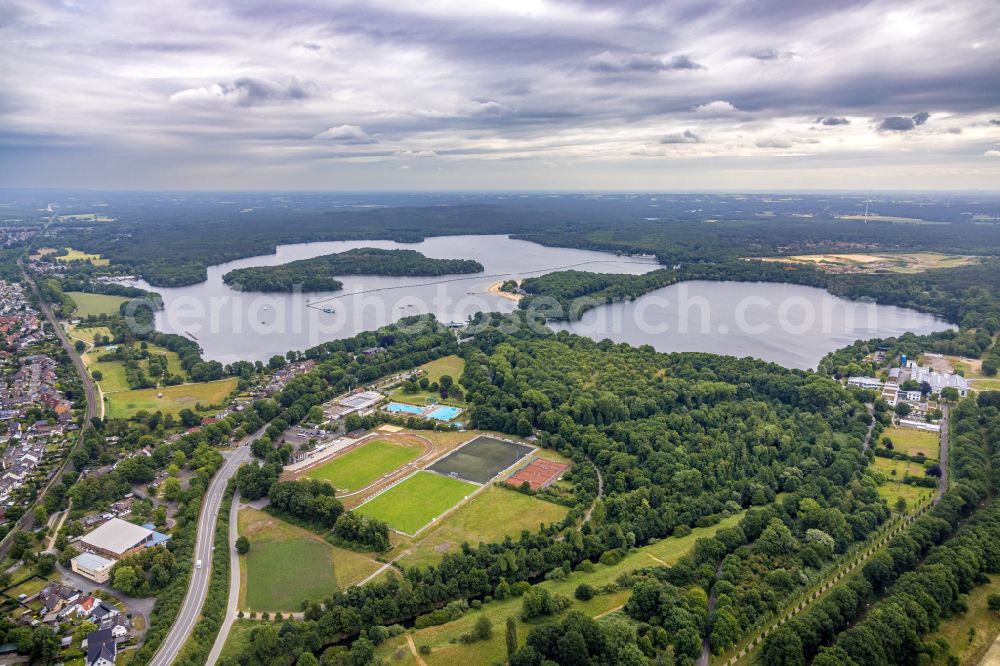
[[171, 241], [680, 440], [316, 274]]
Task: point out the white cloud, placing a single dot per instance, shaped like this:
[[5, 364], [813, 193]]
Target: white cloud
[[351, 134], [718, 107], [992, 153]]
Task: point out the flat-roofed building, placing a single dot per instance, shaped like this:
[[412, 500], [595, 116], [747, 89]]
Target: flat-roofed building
[[94, 567], [116, 539]]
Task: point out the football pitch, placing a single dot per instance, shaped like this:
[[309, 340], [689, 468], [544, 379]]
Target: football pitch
[[412, 504], [358, 468], [481, 459]]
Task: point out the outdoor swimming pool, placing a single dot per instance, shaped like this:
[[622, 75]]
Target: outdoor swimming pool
[[400, 408], [445, 413]]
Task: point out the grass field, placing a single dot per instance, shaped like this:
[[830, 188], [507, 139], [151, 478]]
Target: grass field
[[358, 468], [76, 255], [238, 640], [29, 587], [488, 517], [95, 304], [175, 398], [912, 441], [901, 468], [113, 372], [446, 365], [979, 617], [411, 504], [446, 650], [272, 572], [893, 490], [87, 334]]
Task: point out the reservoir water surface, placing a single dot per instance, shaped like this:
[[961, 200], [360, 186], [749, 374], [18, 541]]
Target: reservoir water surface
[[788, 324]]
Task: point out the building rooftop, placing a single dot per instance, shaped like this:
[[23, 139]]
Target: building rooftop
[[116, 536], [93, 562]]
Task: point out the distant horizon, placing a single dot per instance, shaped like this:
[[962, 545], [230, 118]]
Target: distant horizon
[[848, 191]]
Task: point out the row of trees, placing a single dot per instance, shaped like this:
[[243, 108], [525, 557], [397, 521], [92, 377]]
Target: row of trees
[[975, 431]]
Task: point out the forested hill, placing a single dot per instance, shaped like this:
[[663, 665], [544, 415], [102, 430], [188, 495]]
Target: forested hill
[[316, 274]]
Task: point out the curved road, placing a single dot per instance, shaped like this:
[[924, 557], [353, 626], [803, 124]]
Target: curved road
[[190, 611]]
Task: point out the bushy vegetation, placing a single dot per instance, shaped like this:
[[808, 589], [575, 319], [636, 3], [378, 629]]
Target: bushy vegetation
[[316, 274]]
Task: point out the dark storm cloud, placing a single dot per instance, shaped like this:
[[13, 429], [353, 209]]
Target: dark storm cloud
[[833, 120], [921, 118], [896, 124], [608, 63], [687, 136], [995, 121]]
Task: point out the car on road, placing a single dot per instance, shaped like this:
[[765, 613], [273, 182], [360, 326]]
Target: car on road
[[198, 564]]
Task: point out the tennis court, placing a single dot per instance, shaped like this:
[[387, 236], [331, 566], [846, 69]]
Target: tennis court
[[481, 459]]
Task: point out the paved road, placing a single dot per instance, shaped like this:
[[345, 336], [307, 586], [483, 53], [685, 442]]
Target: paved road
[[234, 584], [191, 608]]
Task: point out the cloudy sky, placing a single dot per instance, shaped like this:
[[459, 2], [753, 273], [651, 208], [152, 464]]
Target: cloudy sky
[[514, 94]]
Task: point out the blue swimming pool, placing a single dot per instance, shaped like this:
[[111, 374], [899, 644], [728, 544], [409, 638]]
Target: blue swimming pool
[[445, 413], [400, 408]]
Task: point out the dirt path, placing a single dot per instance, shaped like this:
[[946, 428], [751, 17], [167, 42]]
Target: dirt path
[[413, 650], [55, 532]]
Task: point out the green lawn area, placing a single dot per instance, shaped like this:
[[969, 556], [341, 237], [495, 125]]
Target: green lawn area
[[892, 491], [978, 617], [411, 504], [87, 333], [175, 398], [238, 640], [446, 365], [446, 650], [901, 468], [360, 467], [95, 304], [28, 587], [912, 441], [488, 517], [287, 564], [112, 372]]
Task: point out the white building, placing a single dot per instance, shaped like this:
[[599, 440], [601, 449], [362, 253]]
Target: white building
[[94, 567], [865, 382]]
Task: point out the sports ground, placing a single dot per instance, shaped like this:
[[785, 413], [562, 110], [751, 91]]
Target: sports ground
[[412, 504], [481, 459], [364, 465]]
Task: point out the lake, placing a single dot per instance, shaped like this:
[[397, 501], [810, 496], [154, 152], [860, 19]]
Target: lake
[[788, 324]]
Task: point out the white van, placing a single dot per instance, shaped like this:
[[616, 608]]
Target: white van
[[198, 565]]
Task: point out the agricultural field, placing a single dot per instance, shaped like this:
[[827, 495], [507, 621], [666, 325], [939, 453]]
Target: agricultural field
[[488, 517], [359, 467], [76, 255], [175, 398], [912, 441], [912, 262], [979, 619], [446, 650], [412, 504], [95, 304], [271, 574]]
